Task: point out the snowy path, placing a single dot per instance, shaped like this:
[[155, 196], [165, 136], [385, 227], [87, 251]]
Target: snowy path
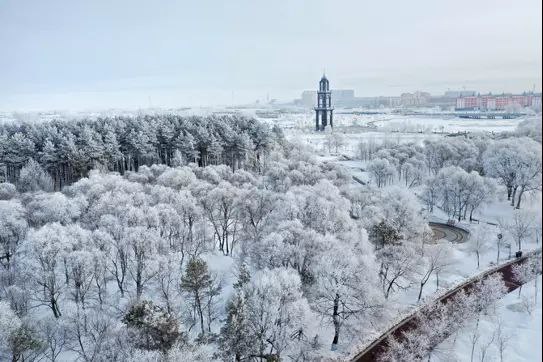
[[372, 352], [447, 232]]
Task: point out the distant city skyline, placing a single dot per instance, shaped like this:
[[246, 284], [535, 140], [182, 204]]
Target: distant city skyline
[[70, 55]]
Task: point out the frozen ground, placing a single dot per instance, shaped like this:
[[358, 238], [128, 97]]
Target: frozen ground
[[520, 325]]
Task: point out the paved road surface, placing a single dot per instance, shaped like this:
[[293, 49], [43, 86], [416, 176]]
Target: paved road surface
[[450, 233]]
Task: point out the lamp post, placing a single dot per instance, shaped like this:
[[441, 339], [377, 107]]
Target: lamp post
[[500, 236]]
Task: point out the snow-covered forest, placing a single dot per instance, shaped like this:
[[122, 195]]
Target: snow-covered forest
[[68, 149], [167, 238]]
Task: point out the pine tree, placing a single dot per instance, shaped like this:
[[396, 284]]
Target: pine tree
[[195, 282], [152, 327], [235, 340]]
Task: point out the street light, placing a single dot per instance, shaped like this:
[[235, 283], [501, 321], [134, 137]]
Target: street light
[[500, 236]]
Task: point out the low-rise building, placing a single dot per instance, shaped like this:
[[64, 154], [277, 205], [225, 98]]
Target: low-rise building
[[498, 102]]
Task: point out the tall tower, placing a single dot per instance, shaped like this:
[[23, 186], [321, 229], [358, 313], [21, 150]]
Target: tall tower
[[324, 109]]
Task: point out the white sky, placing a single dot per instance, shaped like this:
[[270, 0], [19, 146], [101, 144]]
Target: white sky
[[75, 54]]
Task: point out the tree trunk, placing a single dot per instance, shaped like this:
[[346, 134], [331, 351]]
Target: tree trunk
[[336, 321], [387, 293], [420, 291], [54, 306], [520, 197], [513, 195], [200, 312]]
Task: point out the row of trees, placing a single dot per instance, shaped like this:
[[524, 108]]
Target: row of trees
[[458, 192], [67, 150], [454, 170], [516, 163]]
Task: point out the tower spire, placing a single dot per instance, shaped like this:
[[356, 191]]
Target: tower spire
[[324, 109]]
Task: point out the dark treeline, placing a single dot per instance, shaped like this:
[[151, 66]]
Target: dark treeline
[[67, 150]]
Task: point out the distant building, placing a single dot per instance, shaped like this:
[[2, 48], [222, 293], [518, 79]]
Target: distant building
[[394, 101], [536, 101], [498, 102], [308, 98], [470, 102], [415, 99], [342, 98], [459, 93]]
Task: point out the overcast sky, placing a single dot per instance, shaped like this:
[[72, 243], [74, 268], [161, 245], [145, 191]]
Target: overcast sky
[[70, 54]]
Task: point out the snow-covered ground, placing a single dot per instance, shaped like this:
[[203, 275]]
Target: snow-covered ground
[[520, 319], [447, 124], [380, 128]]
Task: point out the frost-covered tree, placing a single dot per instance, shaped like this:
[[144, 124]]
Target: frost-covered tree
[[514, 162], [54, 337], [18, 341], [526, 271], [97, 336], [44, 208], [398, 267], [459, 192], [220, 208], [344, 289], [458, 152], [436, 259], [44, 251], [142, 267], [13, 227], [479, 240], [519, 226], [278, 312], [335, 141], [34, 178], [529, 169], [414, 172], [381, 172], [7, 191], [396, 217], [255, 208]]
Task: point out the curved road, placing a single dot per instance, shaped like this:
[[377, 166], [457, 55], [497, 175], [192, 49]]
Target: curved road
[[372, 352], [450, 233]]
